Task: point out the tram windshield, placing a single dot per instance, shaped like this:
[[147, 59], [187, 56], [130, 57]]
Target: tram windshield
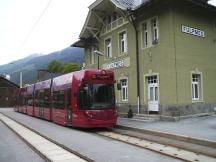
[[96, 96]]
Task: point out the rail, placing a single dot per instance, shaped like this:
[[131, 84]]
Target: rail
[[166, 149]]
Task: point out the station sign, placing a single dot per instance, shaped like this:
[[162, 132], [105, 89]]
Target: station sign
[[115, 64], [119, 63], [193, 31]]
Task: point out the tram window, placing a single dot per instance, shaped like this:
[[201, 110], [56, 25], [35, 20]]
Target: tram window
[[29, 100], [46, 97], [68, 96], [41, 98], [36, 98], [83, 100], [96, 96], [21, 100], [17, 99], [54, 99], [58, 99]]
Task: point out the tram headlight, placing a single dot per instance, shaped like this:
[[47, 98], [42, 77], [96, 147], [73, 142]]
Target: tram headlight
[[88, 114]]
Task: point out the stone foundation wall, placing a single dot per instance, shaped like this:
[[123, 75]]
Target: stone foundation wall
[[171, 110], [187, 110], [124, 108]]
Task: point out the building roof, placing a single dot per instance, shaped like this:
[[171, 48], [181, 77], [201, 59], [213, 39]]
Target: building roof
[[7, 83], [129, 4], [99, 8]]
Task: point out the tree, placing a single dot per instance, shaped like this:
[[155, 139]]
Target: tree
[[54, 66], [69, 67]]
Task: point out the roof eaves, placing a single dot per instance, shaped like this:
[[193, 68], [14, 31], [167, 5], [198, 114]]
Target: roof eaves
[[10, 82], [85, 24], [94, 4], [203, 4], [91, 7], [80, 43]]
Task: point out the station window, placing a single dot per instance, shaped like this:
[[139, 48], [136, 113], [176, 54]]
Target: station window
[[155, 30], [108, 48], [152, 79], [196, 87], [145, 34], [123, 42], [124, 89], [59, 99]]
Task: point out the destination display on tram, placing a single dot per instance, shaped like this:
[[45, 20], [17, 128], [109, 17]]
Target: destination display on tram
[[102, 77]]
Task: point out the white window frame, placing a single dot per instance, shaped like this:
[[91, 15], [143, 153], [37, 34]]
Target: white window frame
[[108, 47], [123, 42], [145, 34], [145, 90], [155, 30], [196, 84], [124, 90]]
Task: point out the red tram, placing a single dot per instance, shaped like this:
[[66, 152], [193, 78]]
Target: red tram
[[84, 99]]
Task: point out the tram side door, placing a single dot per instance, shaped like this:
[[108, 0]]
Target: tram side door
[[69, 107]]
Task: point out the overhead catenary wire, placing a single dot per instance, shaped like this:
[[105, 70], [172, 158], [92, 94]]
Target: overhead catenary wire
[[36, 22]]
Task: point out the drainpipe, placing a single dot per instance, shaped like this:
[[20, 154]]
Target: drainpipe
[[137, 60]]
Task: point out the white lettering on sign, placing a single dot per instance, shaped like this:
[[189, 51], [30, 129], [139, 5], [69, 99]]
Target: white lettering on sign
[[115, 64], [193, 31]]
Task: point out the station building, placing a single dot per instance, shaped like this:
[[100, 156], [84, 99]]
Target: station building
[[163, 53], [7, 89]]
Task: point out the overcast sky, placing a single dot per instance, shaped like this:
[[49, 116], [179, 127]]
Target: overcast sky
[[21, 34], [25, 30]]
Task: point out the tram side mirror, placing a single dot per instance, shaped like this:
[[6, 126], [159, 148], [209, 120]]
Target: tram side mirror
[[119, 86], [83, 87]]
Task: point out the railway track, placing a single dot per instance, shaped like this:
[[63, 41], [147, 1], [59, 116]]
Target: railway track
[[164, 149], [47, 148], [172, 151]]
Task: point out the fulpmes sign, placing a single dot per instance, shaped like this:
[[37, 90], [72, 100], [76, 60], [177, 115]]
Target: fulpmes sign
[[193, 31]]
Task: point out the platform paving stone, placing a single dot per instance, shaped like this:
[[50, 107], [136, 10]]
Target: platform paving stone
[[41, 144], [89, 144]]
